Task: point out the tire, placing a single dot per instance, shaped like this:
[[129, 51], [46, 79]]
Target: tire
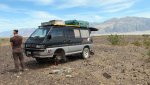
[[86, 53], [61, 58]]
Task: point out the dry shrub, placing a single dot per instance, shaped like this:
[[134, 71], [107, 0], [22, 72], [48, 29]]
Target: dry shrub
[[117, 40], [136, 43]]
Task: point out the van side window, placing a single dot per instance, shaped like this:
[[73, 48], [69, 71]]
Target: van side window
[[70, 33], [77, 33], [57, 32], [84, 33]]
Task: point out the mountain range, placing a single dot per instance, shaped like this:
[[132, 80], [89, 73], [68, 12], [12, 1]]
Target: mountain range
[[132, 25], [125, 25]]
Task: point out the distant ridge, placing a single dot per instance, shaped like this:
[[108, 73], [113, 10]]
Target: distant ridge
[[124, 25]]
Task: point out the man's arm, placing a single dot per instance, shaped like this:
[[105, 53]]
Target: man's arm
[[11, 42]]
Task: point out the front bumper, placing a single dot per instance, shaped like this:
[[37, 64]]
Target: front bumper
[[41, 53]]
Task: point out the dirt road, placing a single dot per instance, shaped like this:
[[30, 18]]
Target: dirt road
[[111, 65]]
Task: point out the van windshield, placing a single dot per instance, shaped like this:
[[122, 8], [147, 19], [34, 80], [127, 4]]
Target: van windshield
[[40, 33]]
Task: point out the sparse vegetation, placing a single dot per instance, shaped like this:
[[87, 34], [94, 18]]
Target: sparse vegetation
[[146, 43], [117, 40], [114, 39], [148, 53], [136, 43], [145, 35], [0, 42], [4, 41]]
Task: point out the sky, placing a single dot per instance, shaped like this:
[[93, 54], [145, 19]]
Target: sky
[[17, 14]]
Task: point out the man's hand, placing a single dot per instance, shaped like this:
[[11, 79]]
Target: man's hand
[[11, 44]]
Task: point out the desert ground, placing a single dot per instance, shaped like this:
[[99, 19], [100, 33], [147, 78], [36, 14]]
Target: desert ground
[[125, 64]]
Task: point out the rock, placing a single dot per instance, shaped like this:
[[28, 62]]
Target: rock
[[106, 75], [2, 72], [123, 71], [148, 83], [67, 70], [55, 72], [69, 76]]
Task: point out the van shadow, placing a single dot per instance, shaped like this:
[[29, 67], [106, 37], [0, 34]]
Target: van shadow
[[33, 64]]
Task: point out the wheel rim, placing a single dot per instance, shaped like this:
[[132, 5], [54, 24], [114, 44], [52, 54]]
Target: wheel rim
[[58, 57], [86, 53]]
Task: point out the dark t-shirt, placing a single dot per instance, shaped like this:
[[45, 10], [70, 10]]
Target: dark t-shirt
[[17, 42]]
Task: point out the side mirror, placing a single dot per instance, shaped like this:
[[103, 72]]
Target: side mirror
[[49, 37]]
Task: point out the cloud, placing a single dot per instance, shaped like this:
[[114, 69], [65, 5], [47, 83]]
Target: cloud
[[86, 17], [106, 5], [32, 20], [40, 2], [43, 15], [6, 8], [119, 6]]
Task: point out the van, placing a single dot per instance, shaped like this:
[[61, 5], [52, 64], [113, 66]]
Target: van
[[59, 41]]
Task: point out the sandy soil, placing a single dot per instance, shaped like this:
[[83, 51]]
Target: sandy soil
[[111, 65]]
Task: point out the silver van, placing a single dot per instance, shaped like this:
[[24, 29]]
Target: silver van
[[58, 41]]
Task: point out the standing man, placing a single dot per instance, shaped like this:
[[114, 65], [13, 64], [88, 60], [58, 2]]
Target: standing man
[[17, 51]]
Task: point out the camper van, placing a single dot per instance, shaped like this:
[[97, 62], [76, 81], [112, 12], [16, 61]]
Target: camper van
[[55, 39]]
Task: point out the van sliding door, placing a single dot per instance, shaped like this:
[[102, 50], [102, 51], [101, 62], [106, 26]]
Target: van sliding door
[[74, 40]]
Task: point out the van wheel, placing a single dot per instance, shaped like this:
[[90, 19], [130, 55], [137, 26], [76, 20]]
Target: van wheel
[[86, 53], [60, 57], [41, 60]]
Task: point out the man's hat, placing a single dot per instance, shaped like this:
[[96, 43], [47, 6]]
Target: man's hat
[[15, 30]]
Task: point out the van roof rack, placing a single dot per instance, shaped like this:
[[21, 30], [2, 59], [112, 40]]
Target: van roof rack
[[60, 25]]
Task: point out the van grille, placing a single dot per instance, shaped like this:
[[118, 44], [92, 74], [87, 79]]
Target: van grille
[[30, 46]]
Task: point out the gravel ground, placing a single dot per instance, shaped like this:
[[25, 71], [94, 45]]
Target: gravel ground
[[111, 65]]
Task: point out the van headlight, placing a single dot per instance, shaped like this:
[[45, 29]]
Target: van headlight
[[40, 46]]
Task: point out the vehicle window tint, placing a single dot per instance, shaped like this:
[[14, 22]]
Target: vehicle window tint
[[70, 33], [57, 32], [40, 32], [84, 33], [77, 33]]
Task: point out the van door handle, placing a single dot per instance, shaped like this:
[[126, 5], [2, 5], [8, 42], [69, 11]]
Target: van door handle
[[70, 41]]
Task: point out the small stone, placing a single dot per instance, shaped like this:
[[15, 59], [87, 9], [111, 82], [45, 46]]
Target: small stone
[[134, 75], [55, 72], [148, 83], [106, 75], [123, 71], [69, 76]]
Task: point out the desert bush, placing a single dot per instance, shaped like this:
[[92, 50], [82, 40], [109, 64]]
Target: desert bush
[[145, 35], [146, 43], [114, 39], [0, 42], [136, 43], [148, 53]]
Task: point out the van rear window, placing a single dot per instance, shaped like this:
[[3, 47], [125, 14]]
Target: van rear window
[[84, 33], [77, 33]]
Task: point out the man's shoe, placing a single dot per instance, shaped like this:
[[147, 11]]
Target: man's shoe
[[24, 70], [16, 70]]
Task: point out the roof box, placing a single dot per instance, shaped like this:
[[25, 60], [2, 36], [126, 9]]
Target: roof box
[[77, 23], [53, 22]]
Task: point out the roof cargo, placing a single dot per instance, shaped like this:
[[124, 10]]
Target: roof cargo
[[53, 22], [77, 23]]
